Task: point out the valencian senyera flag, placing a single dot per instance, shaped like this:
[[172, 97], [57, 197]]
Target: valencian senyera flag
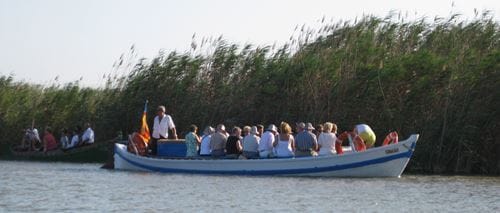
[[144, 132]]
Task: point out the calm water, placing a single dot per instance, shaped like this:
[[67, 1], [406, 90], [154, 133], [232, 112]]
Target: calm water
[[49, 187]]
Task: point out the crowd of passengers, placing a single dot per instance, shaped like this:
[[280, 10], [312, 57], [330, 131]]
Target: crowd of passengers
[[253, 142], [69, 139]]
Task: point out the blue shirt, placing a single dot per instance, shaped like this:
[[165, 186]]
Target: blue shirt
[[305, 141]]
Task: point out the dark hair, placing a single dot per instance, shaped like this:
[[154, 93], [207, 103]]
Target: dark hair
[[193, 128], [48, 129], [260, 126]]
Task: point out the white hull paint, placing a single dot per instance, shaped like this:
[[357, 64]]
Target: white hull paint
[[386, 161]]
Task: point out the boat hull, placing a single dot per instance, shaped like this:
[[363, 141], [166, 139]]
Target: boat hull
[[97, 152], [386, 161]]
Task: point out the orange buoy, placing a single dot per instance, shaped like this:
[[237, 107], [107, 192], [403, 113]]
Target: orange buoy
[[392, 137]]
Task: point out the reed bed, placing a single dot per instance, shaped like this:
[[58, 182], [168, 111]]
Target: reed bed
[[435, 76]]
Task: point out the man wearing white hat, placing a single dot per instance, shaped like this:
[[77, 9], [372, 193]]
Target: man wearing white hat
[[306, 142], [267, 141]]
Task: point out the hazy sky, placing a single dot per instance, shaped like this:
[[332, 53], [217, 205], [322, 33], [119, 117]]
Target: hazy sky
[[42, 39]]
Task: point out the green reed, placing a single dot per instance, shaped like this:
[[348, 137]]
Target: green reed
[[437, 77]]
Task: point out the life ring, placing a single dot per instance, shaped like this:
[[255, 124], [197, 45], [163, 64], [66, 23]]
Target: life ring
[[338, 147], [392, 137], [357, 141], [137, 144]]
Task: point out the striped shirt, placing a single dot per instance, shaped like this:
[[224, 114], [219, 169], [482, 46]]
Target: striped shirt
[[305, 141]]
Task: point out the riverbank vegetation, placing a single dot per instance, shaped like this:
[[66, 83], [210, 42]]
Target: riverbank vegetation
[[436, 77]]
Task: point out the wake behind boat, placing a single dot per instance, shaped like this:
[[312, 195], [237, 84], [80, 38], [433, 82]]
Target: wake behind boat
[[384, 161]]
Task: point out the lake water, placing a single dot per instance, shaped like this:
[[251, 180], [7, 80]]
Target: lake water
[[64, 187]]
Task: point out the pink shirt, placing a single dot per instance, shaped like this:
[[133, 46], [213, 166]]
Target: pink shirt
[[51, 141]]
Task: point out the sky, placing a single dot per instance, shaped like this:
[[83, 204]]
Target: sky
[[81, 39]]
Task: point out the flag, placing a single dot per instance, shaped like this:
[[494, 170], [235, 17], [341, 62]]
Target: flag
[[144, 132]]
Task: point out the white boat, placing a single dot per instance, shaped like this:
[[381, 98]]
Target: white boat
[[384, 161]]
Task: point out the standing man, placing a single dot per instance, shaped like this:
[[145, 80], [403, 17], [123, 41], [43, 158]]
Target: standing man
[[162, 123]]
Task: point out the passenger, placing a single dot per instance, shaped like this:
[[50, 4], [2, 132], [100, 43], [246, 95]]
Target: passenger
[[260, 130], [218, 142], [65, 142], [49, 142], [267, 141], [192, 141], [284, 144], [162, 123], [75, 139], [305, 142], [233, 145], [251, 144], [30, 139], [246, 130], [327, 139], [205, 141], [88, 135], [319, 129]]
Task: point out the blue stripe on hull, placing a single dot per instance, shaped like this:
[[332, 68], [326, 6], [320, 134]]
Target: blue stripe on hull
[[407, 154]]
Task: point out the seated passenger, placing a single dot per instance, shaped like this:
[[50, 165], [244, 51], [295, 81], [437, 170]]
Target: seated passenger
[[319, 129], [75, 140], [65, 142], [205, 141], [285, 142], [267, 141], [49, 142], [260, 130], [218, 142], [251, 144], [88, 135], [192, 141], [327, 139], [246, 131], [306, 143], [233, 145], [31, 139]]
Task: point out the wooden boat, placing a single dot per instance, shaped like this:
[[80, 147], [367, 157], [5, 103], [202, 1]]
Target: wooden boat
[[385, 161], [97, 152]]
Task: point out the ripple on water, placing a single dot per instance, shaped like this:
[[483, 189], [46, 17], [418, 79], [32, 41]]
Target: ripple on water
[[49, 187]]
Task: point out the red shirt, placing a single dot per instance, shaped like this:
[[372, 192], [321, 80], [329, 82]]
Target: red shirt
[[51, 141]]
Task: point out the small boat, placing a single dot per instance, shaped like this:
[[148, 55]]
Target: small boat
[[384, 161], [96, 152]]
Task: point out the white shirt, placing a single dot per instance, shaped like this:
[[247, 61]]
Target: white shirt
[[74, 141], [327, 143], [251, 143], [88, 135], [266, 142], [161, 128], [205, 145], [65, 143]]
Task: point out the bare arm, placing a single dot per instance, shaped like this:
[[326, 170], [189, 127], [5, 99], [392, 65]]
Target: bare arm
[[239, 146], [174, 133]]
